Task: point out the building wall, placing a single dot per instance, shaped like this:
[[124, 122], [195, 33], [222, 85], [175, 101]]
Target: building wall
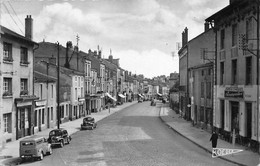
[[201, 75], [16, 71], [47, 103], [243, 94]]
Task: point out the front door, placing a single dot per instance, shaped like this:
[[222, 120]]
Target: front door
[[22, 125], [40, 120], [235, 116]]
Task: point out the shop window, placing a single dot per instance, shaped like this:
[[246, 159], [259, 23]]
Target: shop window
[[43, 116], [35, 118], [51, 113]]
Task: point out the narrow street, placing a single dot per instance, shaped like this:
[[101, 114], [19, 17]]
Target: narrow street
[[134, 136]]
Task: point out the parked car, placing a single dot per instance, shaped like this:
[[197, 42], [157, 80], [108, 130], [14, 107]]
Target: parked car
[[59, 137], [34, 147], [88, 123]]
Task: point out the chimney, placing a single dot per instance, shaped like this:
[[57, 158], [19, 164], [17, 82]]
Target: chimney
[[68, 46], [183, 39], [186, 36], [99, 54], [29, 27], [206, 26], [95, 54]]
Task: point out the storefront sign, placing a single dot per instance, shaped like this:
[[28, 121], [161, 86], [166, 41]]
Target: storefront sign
[[41, 103], [234, 92]]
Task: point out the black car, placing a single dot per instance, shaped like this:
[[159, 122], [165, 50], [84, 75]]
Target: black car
[[88, 123], [59, 137]]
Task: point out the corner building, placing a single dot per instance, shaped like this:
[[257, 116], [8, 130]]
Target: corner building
[[235, 107]]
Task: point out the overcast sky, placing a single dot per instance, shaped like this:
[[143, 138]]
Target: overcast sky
[[141, 33]]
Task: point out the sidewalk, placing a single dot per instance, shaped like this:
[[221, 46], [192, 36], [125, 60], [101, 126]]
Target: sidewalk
[[201, 138], [10, 154]]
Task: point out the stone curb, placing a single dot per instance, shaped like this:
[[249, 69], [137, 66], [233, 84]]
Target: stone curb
[[196, 142]]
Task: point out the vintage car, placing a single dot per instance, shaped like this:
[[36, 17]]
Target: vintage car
[[34, 147], [88, 123], [59, 137]]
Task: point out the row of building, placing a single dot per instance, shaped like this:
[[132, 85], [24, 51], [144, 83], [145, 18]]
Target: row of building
[[219, 74], [40, 78]]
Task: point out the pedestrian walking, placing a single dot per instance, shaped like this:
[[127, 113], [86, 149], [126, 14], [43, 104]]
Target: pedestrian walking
[[214, 139]]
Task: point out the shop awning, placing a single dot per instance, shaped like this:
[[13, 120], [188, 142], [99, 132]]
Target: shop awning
[[121, 95], [108, 95]]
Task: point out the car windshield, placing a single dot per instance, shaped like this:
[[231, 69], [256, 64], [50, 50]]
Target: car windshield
[[88, 119], [27, 143], [55, 133]]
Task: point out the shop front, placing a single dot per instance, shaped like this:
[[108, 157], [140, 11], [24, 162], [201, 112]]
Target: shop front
[[234, 115], [24, 116]]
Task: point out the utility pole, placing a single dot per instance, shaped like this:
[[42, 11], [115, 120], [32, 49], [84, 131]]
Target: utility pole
[[257, 75], [58, 86]]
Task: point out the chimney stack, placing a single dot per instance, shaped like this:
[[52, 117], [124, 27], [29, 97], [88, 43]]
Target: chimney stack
[[68, 46], [99, 54], [29, 27], [206, 26], [186, 35]]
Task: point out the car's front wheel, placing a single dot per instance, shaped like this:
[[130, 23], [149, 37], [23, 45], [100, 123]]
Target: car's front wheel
[[41, 156], [61, 144]]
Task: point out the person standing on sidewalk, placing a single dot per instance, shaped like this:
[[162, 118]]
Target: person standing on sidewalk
[[214, 139]]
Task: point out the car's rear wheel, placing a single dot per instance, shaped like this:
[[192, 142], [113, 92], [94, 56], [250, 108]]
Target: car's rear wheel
[[50, 151]]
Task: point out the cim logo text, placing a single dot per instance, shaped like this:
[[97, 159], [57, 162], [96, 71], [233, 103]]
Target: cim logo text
[[223, 152]]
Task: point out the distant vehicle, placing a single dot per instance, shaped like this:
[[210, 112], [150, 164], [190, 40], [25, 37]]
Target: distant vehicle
[[59, 137], [140, 100], [88, 123], [34, 147]]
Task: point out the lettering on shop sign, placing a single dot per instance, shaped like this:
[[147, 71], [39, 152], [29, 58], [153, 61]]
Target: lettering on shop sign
[[223, 152], [234, 92]]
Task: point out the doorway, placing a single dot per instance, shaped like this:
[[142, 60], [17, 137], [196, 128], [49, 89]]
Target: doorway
[[235, 116], [249, 120]]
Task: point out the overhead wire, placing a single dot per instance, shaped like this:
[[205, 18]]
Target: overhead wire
[[12, 17], [15, 13]]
